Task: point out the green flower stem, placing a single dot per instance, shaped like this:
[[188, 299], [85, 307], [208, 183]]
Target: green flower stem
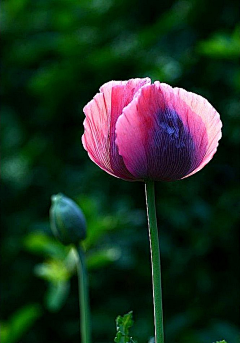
[[155, 260], [83, 297]]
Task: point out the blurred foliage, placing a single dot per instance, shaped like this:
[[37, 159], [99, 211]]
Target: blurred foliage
[[222, 45], [55, 55], [19, 323]]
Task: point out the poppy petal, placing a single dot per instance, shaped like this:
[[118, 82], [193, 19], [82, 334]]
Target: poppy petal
[[210, 118], [164, 137], [101, 115]]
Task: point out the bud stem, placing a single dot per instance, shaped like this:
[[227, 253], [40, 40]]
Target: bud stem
[[83, 297], [155, 261]]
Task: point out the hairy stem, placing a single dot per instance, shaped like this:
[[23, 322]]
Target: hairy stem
[[155, 261], [83, 297]]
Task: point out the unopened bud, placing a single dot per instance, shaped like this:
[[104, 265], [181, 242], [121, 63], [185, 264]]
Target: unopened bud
[[67, 220]]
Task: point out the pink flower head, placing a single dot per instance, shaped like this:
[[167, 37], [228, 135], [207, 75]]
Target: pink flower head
[[136, 130]]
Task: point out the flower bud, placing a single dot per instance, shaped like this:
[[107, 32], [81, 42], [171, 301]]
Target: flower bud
[[67, 220]]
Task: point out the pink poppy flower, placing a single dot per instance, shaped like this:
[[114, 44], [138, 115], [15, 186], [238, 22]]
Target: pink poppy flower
[[140, 131]]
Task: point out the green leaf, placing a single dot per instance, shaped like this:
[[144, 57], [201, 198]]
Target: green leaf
[[221, 341], [52, 270], [97, 225], [55, 270], [19, 323], [57, 295], [221, 45], [123, 324], [103, 257], [42, 244]]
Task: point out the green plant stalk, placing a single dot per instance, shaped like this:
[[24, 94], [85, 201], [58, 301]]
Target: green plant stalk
[[83, 297], [155, 261]]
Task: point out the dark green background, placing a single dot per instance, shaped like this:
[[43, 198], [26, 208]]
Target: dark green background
[[55, 56]]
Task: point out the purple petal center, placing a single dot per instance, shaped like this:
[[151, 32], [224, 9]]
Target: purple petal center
[[172, 153]]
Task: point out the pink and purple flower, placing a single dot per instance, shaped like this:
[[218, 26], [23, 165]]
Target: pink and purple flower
[[140, 131]]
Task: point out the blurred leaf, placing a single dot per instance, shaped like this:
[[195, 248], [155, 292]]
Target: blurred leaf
[[123, 324], [98, 259], [20, 323], [53, 270], [45, 245], [221, 45], [56, 295], [57, 269], [97, 225]]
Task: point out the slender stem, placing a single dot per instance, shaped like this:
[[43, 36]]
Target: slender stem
[[83, 297], [155, 260]]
